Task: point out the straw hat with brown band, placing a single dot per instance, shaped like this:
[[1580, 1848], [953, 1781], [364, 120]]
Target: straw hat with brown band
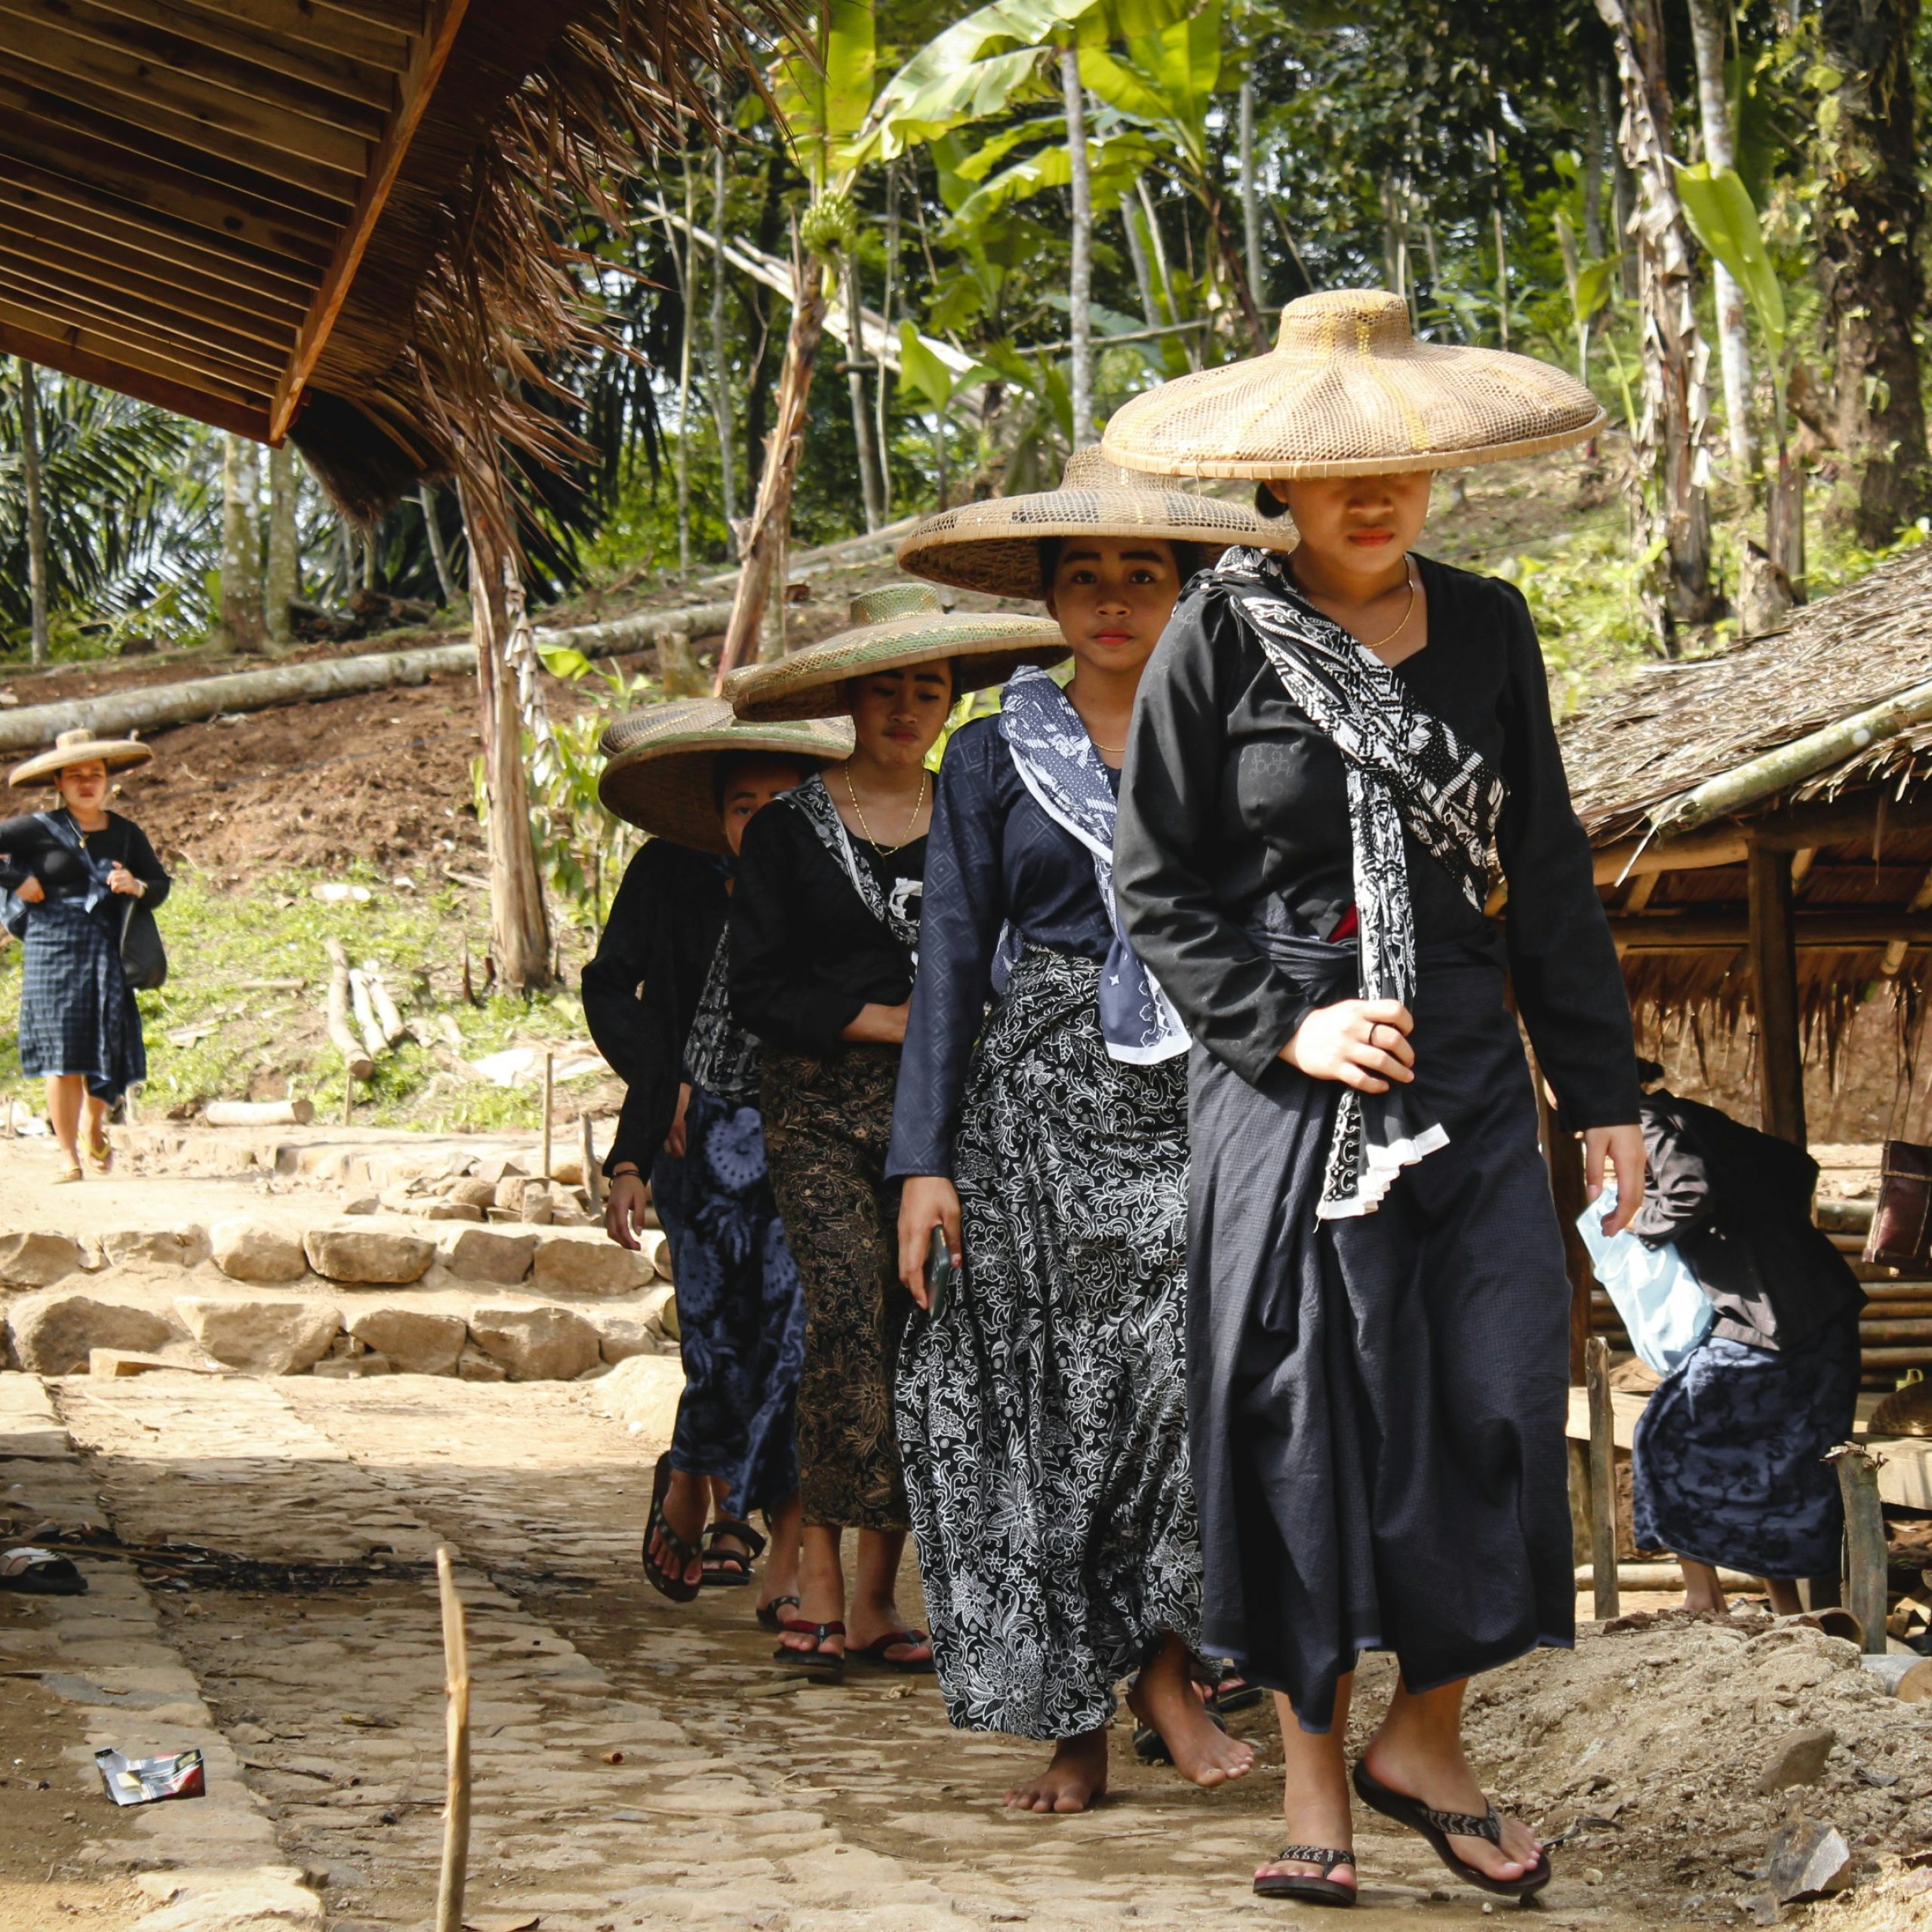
[[1348, 390], [994, 546], [893, 629], [663, 762], [80, 747]]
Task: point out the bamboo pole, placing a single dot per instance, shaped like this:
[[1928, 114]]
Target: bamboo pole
[[1864, 1540], [1603, 1479], [456, 1810], [549, 1099]]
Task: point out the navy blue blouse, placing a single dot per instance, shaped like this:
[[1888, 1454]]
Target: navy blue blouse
[[994, 857]]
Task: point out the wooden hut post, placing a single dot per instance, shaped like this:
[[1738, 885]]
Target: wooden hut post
[[1603, 1479], [1563, 1154], [1864, 1540], [1774, 978]]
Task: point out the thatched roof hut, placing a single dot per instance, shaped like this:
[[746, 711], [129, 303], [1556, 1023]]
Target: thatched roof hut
[[1763, 823], [341, 220]]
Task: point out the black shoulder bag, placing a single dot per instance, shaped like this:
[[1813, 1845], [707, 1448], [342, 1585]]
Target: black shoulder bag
[[143, 957]]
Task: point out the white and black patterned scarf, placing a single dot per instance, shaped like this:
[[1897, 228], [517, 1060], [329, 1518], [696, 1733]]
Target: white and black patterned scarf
[[1055, 757], [1406, 770], [719, 1055], [896, 914]]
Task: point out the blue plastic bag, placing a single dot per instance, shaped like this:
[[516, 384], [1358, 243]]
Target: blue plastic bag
[[1664, 1312]]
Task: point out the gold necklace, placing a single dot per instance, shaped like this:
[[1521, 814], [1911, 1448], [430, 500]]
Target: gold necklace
[[911, 818], [1408, 609]]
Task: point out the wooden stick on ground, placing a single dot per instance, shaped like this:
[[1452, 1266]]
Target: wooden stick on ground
[[593, 1175], [456, 1813], [387, 1018], [365, 1010], [1864, 1540], [1603, 1477], [549, 1099], [359, 1064], [259, 1113]]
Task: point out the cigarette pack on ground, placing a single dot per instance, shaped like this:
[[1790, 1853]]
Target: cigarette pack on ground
[[148, 1781]]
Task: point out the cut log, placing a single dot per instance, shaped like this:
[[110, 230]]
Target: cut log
[[259, 1113], [1654, 1576], [364, 1010], [1909, 1679], [1865, 1560], [359, 1064], [387, 1018]]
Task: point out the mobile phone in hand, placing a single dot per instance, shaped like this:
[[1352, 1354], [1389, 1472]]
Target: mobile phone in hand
[[941, 1276]]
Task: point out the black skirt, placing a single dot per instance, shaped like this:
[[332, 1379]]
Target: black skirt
[[1377, 1405], [77, 1015]]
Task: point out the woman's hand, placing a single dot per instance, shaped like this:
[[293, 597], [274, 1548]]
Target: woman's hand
[[674, 1141], [1363, 1043], [927, 1202], [1625, 1146], [120, 879], [878, 1026], [623, 1209], [30, 892]]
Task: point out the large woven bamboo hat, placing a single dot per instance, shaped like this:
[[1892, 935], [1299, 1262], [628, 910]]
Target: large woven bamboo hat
[[994, 546], [1348, 390], [903, 625], [663, 763], [80, 747]]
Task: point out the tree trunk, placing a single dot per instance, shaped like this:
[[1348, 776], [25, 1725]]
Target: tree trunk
[[1707, 33], [240, 625], [1499, 235], [1622, 208], [1595, 117], [1869, 221], [519, 927], [31, 476], [684, 261], [284, 578], [1136, 253], [855, 390], [771, 515], [1668, 439], [1080, 276], [1250, 196], [439, 551], [882, 377], [720, 386]]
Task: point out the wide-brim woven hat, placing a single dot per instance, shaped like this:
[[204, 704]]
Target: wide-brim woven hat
[[80, 747], [892, 629], [994, 546], [662, 763], [1348, 390]]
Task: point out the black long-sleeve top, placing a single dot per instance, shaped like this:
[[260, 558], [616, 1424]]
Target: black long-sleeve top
[[641, 991], [994, 857], [1234, 820], [807, 952], [31, 851]]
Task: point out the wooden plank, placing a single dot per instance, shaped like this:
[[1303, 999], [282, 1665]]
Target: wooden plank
[[409, 16], [1724, 843], [315, 63], [116, 280], [425, 69], [109, 233], [306, 24], [187, 359], [101, 147], [1670, 932], [1774, 982], [282, 145], [79, 353]]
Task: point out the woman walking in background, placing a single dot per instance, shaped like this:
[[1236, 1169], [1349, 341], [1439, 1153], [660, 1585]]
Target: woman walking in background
[[1325, 747], [825, 933], [1043, 1415], [78, 871], [694, 777]]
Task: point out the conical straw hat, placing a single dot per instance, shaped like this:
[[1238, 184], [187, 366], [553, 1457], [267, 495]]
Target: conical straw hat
[[661, 762], [994, 546], [80, 747], [904, 624], [1348, 390]]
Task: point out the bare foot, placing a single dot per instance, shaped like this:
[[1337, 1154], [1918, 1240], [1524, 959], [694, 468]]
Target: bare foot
[[1203, 1752], [1076, 1776], [1443, 1780]]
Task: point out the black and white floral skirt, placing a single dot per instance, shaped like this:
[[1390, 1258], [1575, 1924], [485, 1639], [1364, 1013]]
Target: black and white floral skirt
[[1043, 1421]]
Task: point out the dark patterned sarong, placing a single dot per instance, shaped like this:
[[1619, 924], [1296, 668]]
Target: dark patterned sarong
[[826, 1125], [741, 1317], [1043, 1418], [77, 1015]]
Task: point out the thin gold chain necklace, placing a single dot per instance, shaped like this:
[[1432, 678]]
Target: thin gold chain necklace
[[1408, 609], [912, 818]]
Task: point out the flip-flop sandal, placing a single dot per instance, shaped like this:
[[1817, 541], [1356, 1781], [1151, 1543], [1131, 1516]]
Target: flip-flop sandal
[[65, 1176], [818, 1662], [771, 1617], [100, 1157], [1439, 1827], [1233, 1693], [1151, 1747], [1303, 1886], [40, 1573], [874, 1653], [666, 1582], [733, 1569]]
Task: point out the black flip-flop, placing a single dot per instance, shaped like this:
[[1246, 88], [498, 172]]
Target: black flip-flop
[[733, 1570], [770, 1615], [667, 1583], [1302, 1887], [874, 1653], [40, 1573], [1232, 1692], [1439, 1827], [818, 1662], [1151, 1747]]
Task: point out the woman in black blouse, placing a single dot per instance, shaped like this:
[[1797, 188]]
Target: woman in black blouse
[[1042, 1413], [824, 936], [77, 871], [1378, 1311]]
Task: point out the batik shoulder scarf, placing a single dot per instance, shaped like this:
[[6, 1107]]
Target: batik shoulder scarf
[[719, 1055], [814, 803], [1405, 769], [1058, 764]]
